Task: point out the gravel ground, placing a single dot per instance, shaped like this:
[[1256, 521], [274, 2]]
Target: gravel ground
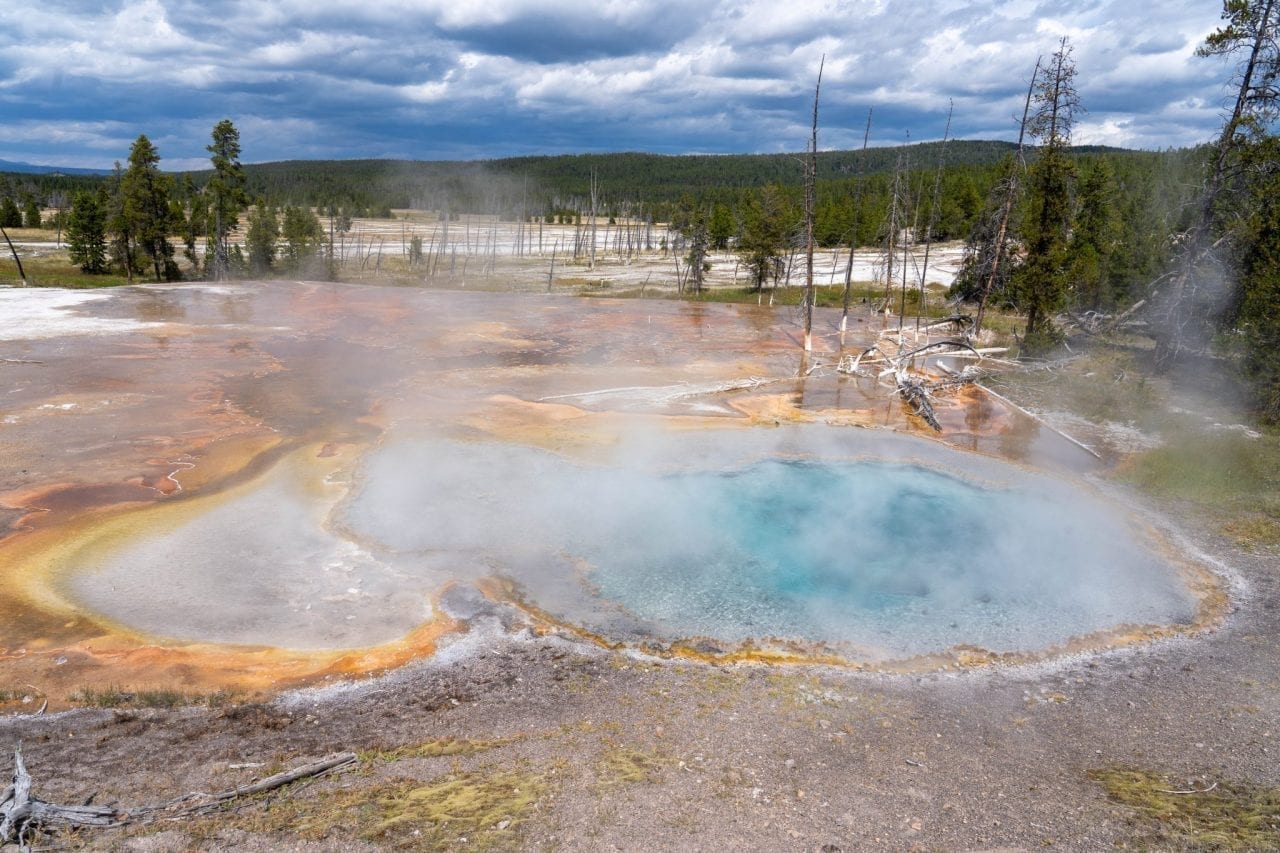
[[630, 753]]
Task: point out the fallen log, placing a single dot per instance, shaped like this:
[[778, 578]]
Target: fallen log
[[916, 393], [23, 816]]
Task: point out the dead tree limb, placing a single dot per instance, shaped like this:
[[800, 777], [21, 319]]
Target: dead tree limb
[[17, 260], [22, 816]]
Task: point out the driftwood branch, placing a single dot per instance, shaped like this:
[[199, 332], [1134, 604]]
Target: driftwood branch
[[1192, 791], [23, 816]]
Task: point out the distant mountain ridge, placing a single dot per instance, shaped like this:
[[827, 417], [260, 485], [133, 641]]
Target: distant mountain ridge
[[20, 168]]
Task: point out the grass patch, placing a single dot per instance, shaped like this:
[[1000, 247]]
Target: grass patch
[[17, 694], [486, 810], [1229, 817], [445, 746], [624, 765], [119, 697], [1230, 476], [406, 814]]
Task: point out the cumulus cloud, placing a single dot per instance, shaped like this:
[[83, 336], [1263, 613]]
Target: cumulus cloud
[[488, 78]]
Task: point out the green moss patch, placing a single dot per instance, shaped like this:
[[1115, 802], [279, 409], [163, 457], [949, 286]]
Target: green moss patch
[[1221, 816]]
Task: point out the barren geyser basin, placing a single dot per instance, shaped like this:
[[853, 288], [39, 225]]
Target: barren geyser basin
[[259, 485]]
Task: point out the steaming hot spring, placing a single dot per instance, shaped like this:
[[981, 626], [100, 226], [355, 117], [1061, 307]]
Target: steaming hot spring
[[269, 483]]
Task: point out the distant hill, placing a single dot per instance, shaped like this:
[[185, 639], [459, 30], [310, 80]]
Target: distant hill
[[532, 185], [33, 169]]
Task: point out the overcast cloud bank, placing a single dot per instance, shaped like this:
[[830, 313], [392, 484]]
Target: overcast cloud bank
[[427, 79]]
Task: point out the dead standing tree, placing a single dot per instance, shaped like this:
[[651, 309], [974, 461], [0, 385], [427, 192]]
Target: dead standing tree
[[853, 229], [1182, 305], [988, 250], [810, 193], [21, 273], [935, 201]]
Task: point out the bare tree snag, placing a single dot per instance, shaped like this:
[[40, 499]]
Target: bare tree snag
[[934, 202], [853, 236], [21, 274], [810, 202], [1012, 187]]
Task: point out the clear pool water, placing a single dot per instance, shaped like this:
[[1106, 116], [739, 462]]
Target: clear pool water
[[885, 554]]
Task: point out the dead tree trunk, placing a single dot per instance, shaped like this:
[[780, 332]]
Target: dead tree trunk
[[853, 235], [934, 201], [1012, 187], [21, 273], [810, 192]]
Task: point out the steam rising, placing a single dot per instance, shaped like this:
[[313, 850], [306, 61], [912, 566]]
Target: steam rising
[[858, 541], [808, 533]]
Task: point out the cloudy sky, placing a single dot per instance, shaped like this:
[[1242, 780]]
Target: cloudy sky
[[464, 79]]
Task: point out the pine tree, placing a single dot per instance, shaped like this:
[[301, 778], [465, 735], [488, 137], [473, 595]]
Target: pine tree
[[145, 191], [303, 238], [1258, 315], [1094, 239], [1191, 308], [31, 213], [721, 226], [765, 231], [227, 197], [260, 241], [1041, 282], [87, 231], [10, 213]]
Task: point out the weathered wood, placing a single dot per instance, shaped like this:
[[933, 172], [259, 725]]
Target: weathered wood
[[22, 816]]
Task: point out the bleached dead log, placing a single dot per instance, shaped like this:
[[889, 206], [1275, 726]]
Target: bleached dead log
[[667, 393], [915, 392], [1086, 448], [23, 817]]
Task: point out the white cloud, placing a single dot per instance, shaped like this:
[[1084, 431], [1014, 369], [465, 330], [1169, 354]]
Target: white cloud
[[730, 73]]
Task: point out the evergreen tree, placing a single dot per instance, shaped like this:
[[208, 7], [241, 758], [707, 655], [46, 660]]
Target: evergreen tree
[[1258, 315], [31, 213], [766, 227], [145, 191], [1191, 308], [1041, 282], [87, 231], [227, 197], [303, 238], [698, 242], [10, 214], [721, 226], [191, 214], [1095, 237], [261, 239], [119, 226]]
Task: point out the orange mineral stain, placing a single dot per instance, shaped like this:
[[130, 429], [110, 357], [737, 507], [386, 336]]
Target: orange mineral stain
[[102, 441]]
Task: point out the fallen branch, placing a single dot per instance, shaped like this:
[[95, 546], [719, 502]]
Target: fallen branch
[[1086, 448], [1192, 791], [669, 393], [22, 816]]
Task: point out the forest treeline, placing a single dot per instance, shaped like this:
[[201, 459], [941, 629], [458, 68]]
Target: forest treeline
[[1051, 230]]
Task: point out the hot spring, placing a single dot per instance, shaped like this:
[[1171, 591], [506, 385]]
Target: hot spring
[[875, 546], [870, 547], [270, 484]]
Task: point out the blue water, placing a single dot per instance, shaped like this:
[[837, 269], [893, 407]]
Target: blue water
[[881, 558]]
